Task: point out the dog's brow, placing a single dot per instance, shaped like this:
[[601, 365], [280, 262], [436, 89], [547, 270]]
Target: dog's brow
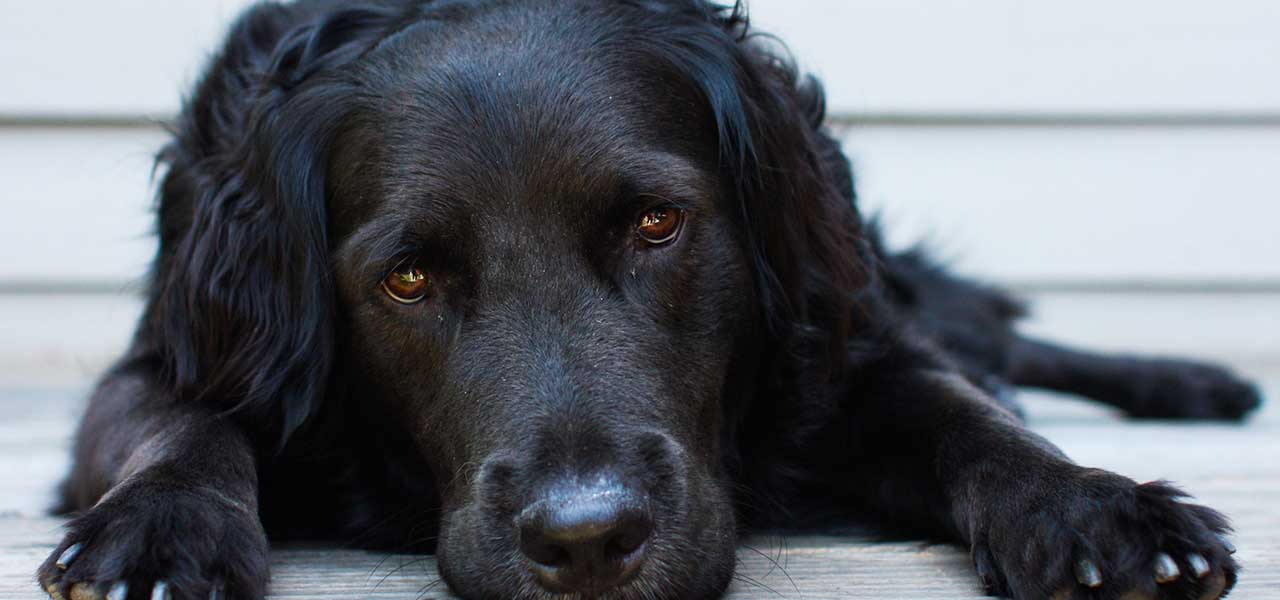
[[670, 176], [375, 244]]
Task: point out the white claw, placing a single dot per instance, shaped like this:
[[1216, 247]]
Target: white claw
[[1088, 574], [119, 591], [1166, 569], [1199, 566], [1227, 545], [68, 555]]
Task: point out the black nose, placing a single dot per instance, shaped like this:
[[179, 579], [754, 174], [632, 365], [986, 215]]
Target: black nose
[[587, 541]]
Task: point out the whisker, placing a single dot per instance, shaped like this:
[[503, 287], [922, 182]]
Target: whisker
[[755, 583], [423, 591], [776, 564], [411, 561]]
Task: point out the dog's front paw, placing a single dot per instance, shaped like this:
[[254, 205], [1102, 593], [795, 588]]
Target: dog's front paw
[[1105, 537], [160, 540]]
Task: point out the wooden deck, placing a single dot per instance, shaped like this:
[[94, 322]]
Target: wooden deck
[[1235, 469]]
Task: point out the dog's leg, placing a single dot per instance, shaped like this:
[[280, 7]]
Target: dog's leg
[[166, 502], [1142, 387], [933, 450]]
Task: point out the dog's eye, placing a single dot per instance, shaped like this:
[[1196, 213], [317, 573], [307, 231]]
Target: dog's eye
[[660, 225], [406, 284]]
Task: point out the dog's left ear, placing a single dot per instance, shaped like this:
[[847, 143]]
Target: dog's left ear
[[795, 190], [243, 302], [795, 194]]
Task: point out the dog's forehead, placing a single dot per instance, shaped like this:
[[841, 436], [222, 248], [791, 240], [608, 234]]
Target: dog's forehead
[[478, 118], [517, 90]]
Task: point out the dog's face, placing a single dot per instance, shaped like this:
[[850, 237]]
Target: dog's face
[[541, 282], [556, 246]]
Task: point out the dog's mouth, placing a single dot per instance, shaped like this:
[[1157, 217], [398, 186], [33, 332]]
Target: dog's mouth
[[624, 530]]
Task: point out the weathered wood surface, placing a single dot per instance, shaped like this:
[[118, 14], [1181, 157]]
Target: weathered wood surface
[[1235, 469]]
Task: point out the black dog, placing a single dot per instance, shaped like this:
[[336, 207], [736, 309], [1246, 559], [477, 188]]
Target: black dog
[[573, 293]]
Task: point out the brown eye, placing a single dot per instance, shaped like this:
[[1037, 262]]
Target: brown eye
[[406, 284], [660, 225]]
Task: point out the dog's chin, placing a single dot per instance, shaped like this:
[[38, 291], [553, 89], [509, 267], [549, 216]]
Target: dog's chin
[[479, 560]]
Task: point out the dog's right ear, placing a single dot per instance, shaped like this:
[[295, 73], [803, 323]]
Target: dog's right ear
[[790, 186], [241, 307]]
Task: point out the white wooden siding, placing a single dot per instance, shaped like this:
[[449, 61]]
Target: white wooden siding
[[1022, 204], [1090, 191], [122, 58], [129, 57], [1113, 204], [75, 203], [1099, 57]]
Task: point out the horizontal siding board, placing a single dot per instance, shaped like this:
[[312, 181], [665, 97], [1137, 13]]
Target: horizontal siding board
[[120, 58], [1103, 204], [922, 57], [75, 203], [1009, 56], [1020, 204]]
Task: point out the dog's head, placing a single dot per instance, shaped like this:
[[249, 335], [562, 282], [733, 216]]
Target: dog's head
[[559, 246]]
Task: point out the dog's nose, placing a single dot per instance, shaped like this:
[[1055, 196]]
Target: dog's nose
[[586, 542]]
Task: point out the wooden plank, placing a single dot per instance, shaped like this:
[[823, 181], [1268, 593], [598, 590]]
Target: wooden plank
[[922, 57], [1232, 468], [1012, 203], [807, 567]]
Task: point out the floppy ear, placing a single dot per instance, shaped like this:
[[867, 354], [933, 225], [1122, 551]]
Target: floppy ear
[[792, 186], [242, 300], [795, 190]]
